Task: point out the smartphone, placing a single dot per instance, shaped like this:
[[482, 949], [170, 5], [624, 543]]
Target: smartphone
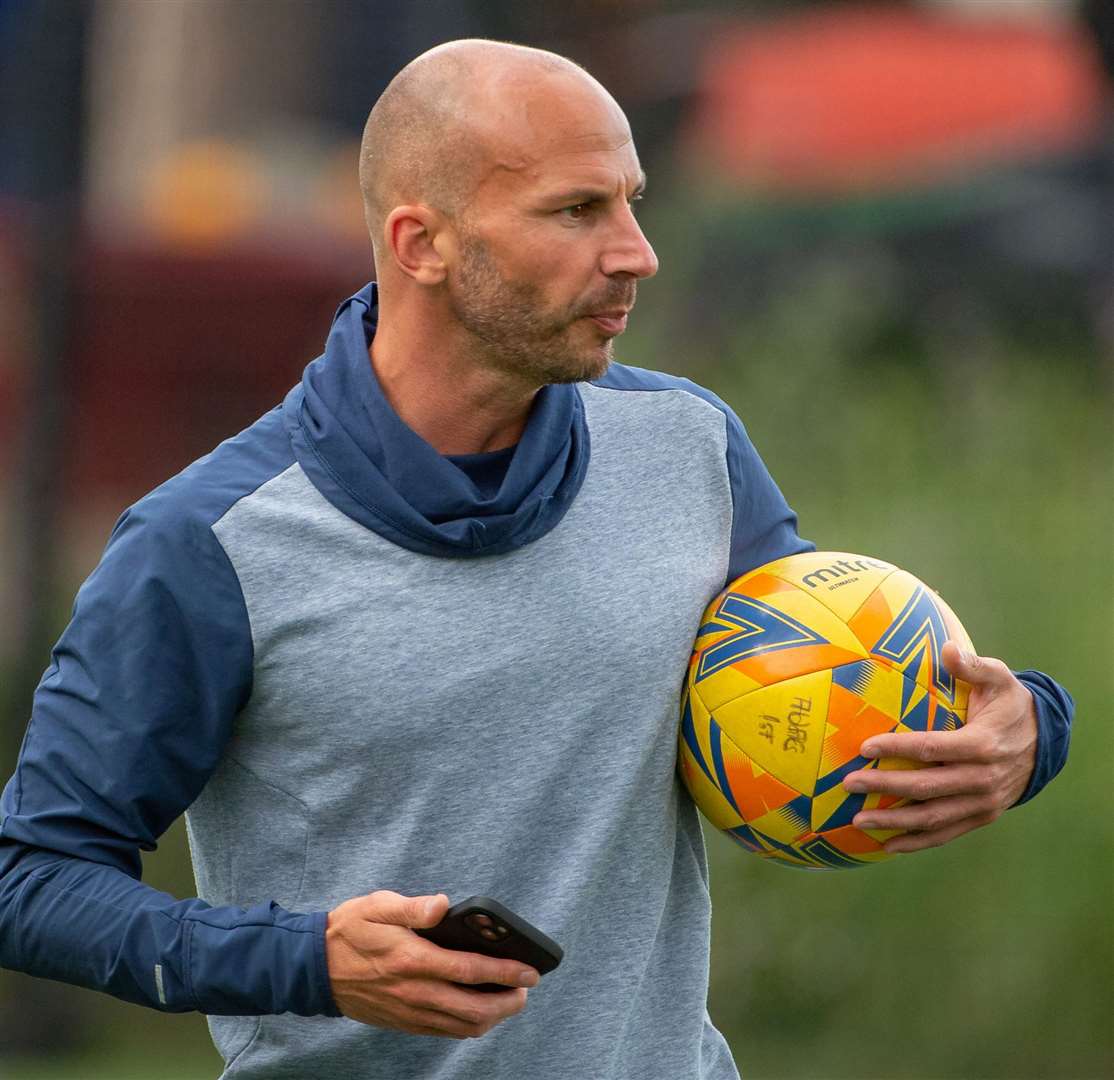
[[480, 924]]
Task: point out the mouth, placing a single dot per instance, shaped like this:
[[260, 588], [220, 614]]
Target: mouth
[[612, 322]]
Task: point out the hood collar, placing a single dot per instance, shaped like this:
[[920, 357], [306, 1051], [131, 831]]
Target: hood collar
[[368, 463]]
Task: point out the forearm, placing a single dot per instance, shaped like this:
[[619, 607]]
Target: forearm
[[95, 926]]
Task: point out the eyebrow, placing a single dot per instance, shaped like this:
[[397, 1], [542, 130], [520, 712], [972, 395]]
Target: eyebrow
[[592, 194]]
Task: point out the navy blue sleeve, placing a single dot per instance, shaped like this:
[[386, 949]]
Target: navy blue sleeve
[[763, 528], [1055, 711], [127, 725]]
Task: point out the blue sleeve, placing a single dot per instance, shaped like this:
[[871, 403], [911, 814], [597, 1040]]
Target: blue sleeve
[[127, 724], [1055, 711], [763, 528]]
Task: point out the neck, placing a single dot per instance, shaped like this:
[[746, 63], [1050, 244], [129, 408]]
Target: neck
[[442, 393]]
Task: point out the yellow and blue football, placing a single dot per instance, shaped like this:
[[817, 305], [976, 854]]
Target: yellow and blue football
[[795, 664]]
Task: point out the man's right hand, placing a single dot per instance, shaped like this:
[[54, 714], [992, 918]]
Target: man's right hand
[[384, 974]]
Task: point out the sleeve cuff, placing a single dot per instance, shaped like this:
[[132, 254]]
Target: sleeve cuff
[[328, 1005], [1055, 709], [268, 961]]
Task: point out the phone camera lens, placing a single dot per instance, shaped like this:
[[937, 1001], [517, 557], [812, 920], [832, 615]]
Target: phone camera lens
[[486, 927]]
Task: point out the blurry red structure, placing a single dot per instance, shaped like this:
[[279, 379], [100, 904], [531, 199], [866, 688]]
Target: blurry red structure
[[847, 97], [172, 353]]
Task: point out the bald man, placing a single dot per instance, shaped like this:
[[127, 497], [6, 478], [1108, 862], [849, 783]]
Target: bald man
[[419, 633]]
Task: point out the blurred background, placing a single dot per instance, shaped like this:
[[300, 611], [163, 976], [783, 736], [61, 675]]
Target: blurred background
[[887, 239]]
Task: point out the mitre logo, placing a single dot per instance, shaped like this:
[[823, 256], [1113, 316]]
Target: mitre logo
[[841, 569]]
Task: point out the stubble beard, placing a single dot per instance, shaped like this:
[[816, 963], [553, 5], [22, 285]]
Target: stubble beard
[[514, 333]]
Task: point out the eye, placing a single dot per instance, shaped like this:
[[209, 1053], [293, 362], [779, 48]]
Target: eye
[[577, 212]]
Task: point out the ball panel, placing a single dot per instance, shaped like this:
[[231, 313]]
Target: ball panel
[[853, 842], [752, 790], [872, 619], [696, 730], [916, 634], [829, 804], [786, 823], [771, 669], [955, 628], [781, 727], [764, 640], [707, 796], [838, 580], [865, 700]]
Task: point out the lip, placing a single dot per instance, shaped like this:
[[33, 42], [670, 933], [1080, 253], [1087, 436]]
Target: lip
[[610, 322]]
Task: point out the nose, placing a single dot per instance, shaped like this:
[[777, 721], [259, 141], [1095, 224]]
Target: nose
[[629, 252]]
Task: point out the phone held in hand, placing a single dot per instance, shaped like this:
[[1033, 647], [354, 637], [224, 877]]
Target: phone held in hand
[[482, 925]]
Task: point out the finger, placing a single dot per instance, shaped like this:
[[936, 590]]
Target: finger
[[478, 1008], [977, 670], [964, 744], [920, 784], [917, 841], [393, 909], [470, 969], [929, 816], [468, 1020]]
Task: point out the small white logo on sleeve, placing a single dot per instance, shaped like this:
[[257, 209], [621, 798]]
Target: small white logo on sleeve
[[158, 984]]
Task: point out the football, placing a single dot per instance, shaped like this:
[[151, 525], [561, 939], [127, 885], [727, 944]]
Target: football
[[795, 664]]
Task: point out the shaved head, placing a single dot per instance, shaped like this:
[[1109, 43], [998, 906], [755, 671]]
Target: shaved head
[[436, 130]]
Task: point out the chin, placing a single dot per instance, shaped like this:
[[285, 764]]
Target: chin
[[584, 369]]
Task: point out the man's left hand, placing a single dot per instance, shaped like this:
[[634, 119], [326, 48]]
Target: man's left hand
[[977, 771]]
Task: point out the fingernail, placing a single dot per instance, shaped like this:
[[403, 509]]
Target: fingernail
[[431, 908], [868, 749], [528, 978], [853, 786], [967, 658]]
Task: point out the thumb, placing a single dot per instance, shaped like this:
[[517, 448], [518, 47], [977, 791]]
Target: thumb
[[394, 909], [972, 668]]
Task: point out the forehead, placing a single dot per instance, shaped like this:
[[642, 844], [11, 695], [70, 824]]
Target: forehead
[[554, 129]]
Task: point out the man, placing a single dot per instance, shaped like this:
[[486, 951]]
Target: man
[[420, 632]]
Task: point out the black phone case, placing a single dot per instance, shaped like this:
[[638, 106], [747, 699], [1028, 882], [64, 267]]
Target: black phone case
[[521, 942]]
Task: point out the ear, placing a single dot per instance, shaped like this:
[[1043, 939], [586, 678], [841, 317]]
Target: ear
[[411, 234]]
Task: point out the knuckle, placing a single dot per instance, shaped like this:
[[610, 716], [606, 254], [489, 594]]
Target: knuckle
[[921, 749], [928, 787], [984, 782], [474, 1016], [985, 748], [407, 961]]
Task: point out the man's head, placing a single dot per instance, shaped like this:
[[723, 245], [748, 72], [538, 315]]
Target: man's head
[[498, 182]]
